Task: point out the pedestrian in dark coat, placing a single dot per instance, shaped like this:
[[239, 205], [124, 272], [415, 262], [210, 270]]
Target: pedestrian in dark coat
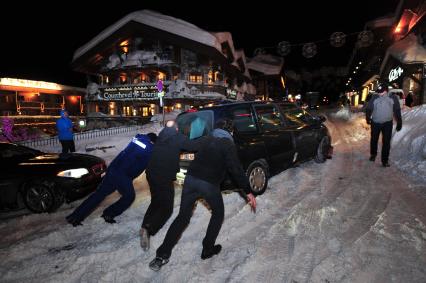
[[160, 174], [128, 165], [409, 99], [65, 133], [380, 112], [216, 156]]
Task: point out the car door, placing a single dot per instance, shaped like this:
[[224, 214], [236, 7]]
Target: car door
[[249, 143], [304, 128], [277, 138]]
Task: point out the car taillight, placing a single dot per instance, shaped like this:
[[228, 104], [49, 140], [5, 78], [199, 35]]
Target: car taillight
[[99, 168]]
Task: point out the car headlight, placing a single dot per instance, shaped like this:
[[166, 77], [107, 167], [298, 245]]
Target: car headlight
[[73, 173]]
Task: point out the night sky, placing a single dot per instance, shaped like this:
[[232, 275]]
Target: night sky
[[38, 41]]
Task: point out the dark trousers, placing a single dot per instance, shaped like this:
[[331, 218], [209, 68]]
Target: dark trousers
[[111, 182], [67, 146], [386, 130], [193, 190], [161, 206]]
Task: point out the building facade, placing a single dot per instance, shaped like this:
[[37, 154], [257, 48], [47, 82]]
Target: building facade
[[147, 55]]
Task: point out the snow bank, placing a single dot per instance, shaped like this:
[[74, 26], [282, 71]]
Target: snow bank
[[408, 149]]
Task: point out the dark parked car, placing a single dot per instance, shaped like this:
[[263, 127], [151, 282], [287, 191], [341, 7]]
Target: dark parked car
[[270, 137], [43, 181]]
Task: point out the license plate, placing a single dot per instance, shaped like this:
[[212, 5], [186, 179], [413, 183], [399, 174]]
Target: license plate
[[187, 156]]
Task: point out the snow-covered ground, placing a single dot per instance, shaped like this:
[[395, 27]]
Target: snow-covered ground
[[348, 220]]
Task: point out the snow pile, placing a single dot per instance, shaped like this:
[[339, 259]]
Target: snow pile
[[408, 148], [168, 116], [347, 220], [344, 113]]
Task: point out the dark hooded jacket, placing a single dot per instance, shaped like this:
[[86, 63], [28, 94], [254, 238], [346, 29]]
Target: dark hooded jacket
[[164, 161], [217, 155], [133, 160]]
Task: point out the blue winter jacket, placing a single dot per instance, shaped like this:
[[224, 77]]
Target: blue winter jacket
[[133, 160], [64, 126]]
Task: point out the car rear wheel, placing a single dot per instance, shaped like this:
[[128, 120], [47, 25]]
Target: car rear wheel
[[40, 197], [257, 173], [322, 151]]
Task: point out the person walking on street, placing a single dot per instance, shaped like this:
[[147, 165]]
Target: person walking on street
[[216, 156], [380, 111], [65, 133], [128, 165], [160, 174]]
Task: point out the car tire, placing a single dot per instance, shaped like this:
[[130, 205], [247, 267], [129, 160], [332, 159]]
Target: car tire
[[257, 173], [322, 150], [40, 197]]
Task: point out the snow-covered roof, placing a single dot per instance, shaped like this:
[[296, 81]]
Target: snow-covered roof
[[225, 37], [266, 64], [407, 51], [159, 21]]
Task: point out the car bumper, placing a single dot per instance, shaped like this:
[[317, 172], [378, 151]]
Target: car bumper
[[74, 189]]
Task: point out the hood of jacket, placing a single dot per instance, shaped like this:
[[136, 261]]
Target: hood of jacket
[[165, 134], [62, 113]]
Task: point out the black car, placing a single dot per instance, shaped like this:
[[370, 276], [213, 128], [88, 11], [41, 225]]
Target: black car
[[43, 181], [270, 137]]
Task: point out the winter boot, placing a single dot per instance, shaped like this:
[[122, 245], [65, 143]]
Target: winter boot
[[205, 254], [108, 219], [144, 239], [385, 164], [372, 158], [157, 263]]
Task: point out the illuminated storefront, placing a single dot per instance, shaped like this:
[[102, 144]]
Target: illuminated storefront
[[27, 97]]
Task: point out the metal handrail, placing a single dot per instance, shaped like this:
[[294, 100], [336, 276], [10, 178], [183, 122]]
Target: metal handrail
[[81, 136]]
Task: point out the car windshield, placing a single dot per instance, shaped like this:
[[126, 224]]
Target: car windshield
[[195, 124], [14, 150]]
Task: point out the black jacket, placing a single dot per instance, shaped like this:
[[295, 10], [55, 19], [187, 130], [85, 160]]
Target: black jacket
[[164, 163], [214, 158]]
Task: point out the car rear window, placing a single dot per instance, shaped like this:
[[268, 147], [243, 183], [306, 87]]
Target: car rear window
[[195, 124]]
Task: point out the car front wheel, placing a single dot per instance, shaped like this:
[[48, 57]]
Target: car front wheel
[[322, 151], [257, 173], [40, 198]]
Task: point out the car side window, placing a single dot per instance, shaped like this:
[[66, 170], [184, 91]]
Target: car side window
[[243, 119], [269, 117], [298, 117]]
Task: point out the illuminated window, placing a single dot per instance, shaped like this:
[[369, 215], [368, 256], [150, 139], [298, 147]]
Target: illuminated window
[[112, 109], [145, 111], [161, 76], [210, 77], [196, 78]]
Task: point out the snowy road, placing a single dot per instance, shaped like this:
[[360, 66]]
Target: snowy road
[[348, 220]]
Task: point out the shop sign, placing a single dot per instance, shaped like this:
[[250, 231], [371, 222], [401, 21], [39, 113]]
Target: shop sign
[[394, 74], [145, 92]]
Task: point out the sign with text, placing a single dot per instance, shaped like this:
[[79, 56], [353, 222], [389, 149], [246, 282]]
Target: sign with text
[[395, 74], [145, 92]]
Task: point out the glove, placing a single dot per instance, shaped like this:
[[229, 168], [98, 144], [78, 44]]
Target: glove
[[368, 121], [252, 202], [398, 127]]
